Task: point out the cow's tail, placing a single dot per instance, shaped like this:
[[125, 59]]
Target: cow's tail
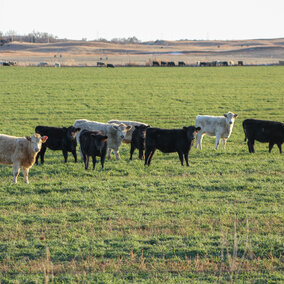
[[245, 133]]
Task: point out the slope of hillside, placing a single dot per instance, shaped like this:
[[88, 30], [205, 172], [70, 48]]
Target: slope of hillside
[[261, 51]]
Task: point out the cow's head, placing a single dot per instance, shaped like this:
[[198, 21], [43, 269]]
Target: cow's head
[[191, 132], [141, 130], [36, 141], [230, 117], [121, 129], [71, 132]]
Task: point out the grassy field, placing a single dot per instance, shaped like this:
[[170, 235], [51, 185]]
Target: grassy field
[[221, 219]]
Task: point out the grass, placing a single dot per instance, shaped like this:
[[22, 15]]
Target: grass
[[128, 223]]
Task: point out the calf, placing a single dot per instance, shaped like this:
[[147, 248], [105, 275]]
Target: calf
[[20, 152], [58, 139], [263, 131], [217, 126], [128, 137], [93, 143], [115, 133], [138, 140], [169, 141]]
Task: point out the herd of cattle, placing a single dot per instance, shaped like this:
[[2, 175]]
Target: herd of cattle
[[96, 138]]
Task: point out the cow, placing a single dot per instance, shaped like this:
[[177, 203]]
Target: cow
[[128, 137], [169, 141], [93, 143], [155, 63], [115, 133], [138, 140], [217, 126], [60, 138], [109, 65], [263, 131], [20, 152]]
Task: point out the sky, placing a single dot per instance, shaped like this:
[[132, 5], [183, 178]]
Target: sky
[[147, 20]]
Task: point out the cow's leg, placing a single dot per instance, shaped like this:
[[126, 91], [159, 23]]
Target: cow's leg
[[86, 161], [147, 153], [74, 155], [26, 175], [117, 156], [141, 154], [186, 158], [224, 140], [280, 147], [271, 144], [217, 140], [109, 153], [199, 137], [94, 162], [103, 160], [251, 145], [16, 170], [180, 157], [42, 153], [151, 156], [65, 154], [132, 148], [37, 156], [81, 154]]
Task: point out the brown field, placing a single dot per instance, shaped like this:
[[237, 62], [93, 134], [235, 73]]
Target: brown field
[[83, 53]]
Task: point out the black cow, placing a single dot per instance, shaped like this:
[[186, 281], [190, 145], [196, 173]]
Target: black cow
[[263, 131], [169, 141], [60, 138], [109, 65], [138, 140], [93, 143]]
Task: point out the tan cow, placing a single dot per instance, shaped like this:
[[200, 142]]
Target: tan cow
[[20, 152]]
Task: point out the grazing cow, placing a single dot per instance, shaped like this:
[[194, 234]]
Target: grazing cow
[[217, 126], [138, 140], [93, 143], [181, 63], [263, 131], [114, 132], [169, 141], [156, 63], [171, 63], [128, 137], [20, 152], [110, 65], [163, 63], [58, 139]]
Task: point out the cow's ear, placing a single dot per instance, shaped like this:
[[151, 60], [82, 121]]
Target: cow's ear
[[29, 138], [235, 115], [77, 129], [128, 127], [225, 115], [105, 138], [197, 129], [43, 139]]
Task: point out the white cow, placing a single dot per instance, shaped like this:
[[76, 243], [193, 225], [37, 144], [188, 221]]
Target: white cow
[[20, 152], [114, 132], [127, 139], [218, 126]]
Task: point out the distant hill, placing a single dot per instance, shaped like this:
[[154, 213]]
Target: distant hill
[[88, 53]]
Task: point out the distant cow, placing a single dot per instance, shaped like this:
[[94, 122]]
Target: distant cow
[[171, 63], [128, 137], [100, 64], [110, 65], [138, 140], [115, 133], [169, 141], [156, 63], [263, 131], [20, 152], [163, 63], [181, 63], [93, 144], [59, 138], [217, 126]]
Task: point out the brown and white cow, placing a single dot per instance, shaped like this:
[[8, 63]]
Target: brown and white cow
[[218, 126], [20, 152], [115, 133]]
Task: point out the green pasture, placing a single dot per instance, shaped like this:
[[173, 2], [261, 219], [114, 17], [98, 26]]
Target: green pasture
[[218, 220]]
